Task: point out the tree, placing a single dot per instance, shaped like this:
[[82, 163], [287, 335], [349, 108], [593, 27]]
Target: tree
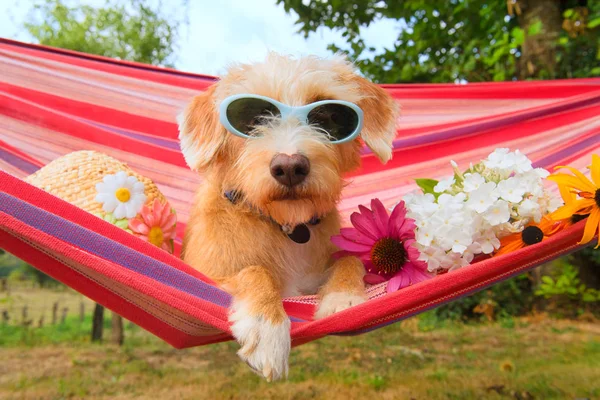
[[128, 30], [473, 40]]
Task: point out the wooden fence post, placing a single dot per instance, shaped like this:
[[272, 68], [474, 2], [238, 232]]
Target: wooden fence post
[[41, 321], [64, 315], [54, 313], [81, 311], [5, 317], [117, 329], [98, 323]]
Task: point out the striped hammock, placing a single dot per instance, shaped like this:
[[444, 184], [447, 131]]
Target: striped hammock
[[53, 102]]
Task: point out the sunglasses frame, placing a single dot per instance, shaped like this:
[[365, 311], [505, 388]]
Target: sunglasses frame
[[286, 111]]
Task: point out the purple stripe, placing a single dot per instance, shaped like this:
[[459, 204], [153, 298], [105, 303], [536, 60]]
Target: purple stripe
[[115, 252], [169, 144], [20, 163], [108, 249], [553, 159]]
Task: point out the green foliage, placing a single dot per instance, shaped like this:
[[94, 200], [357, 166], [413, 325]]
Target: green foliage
[[566, 289], [72, 331], [579, 50], [125, 30], [445, 41], [427, 186], [510, 298]]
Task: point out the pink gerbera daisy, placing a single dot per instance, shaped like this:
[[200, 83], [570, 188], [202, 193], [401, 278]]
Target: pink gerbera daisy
[[385, 245], [156, 224]]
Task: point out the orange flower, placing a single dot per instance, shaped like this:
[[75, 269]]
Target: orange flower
[[531, 234], [588, 203]]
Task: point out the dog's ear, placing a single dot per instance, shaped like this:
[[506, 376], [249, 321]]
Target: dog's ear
[[380, 114], [201, 135]]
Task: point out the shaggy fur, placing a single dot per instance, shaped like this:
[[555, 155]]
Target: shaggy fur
[[234, 243]]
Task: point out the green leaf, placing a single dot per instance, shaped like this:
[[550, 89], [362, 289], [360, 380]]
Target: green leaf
[[535, 28], [593, 23], [568, 13], [518, 36], [427, 185], [547, 280]]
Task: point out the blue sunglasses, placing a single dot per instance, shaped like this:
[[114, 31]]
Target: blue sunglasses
[[340, 120]]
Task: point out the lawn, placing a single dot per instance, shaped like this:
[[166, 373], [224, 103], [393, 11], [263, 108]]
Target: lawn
[[526, 358]]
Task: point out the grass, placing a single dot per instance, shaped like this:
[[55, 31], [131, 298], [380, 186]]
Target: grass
[[421, 358]]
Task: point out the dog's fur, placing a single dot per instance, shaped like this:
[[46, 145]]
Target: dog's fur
[[234, 243]]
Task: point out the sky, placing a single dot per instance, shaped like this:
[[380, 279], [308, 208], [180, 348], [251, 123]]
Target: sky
[[225, 31]]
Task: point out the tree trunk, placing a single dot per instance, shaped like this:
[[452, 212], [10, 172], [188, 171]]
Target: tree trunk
[[98, 323], [538, 52], [117, 329]]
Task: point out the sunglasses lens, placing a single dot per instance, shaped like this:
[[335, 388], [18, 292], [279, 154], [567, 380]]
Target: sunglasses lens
[[337, 120], [245, 114]]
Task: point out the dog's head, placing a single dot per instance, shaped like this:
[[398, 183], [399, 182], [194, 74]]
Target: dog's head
[[288, 168]]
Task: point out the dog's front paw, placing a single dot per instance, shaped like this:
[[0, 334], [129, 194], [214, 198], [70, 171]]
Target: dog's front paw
[[336, 302], [265, 345]]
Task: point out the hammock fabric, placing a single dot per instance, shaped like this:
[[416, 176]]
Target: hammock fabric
[[53, 102]]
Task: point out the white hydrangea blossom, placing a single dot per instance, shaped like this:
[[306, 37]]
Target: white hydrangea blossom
[[473, 210]]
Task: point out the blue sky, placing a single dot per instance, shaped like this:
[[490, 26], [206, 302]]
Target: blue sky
[[225, 31]]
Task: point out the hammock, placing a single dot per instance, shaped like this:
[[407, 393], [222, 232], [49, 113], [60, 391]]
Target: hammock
[[53, 102]]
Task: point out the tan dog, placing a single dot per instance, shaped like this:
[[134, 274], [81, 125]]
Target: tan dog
[[288, 174]]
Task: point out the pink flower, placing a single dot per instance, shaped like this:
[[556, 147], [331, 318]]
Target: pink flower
[[156, 225], [385, 245]]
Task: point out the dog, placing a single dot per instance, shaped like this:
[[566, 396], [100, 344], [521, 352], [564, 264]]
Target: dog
[[273, 141]]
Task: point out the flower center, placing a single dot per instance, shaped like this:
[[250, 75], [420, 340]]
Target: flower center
[[155, 236], [388, 255], [532, 235], [575, 218], [123, 195], [597, 197]]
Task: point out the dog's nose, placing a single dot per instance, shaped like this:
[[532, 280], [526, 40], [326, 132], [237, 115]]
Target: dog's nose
[[290, 170]]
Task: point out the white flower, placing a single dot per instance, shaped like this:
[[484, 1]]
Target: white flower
[[511, 190], [482, 198], [455, 203], [425, 235], [503, 159], [520, 162], [444, 185], [460, 241], [432, 256], [498, 159], [121, 195], [470, 252], [498, 213], [472, 182], [530, 209], [488, 242], [421, 205]]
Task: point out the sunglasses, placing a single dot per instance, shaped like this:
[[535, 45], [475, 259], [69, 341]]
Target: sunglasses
[[340, 121]]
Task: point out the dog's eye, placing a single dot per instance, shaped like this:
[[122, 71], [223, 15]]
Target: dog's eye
[[247, 113], [339, 121]]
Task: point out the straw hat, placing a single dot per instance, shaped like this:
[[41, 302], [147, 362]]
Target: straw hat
[[111, 190]]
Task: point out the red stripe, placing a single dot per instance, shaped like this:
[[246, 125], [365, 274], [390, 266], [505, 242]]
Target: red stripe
[[26, 111], [104, 115], [39, 198], [439, 149], [124, 68]]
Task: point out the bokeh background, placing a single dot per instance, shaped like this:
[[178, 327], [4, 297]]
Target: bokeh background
[[536, 336]]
